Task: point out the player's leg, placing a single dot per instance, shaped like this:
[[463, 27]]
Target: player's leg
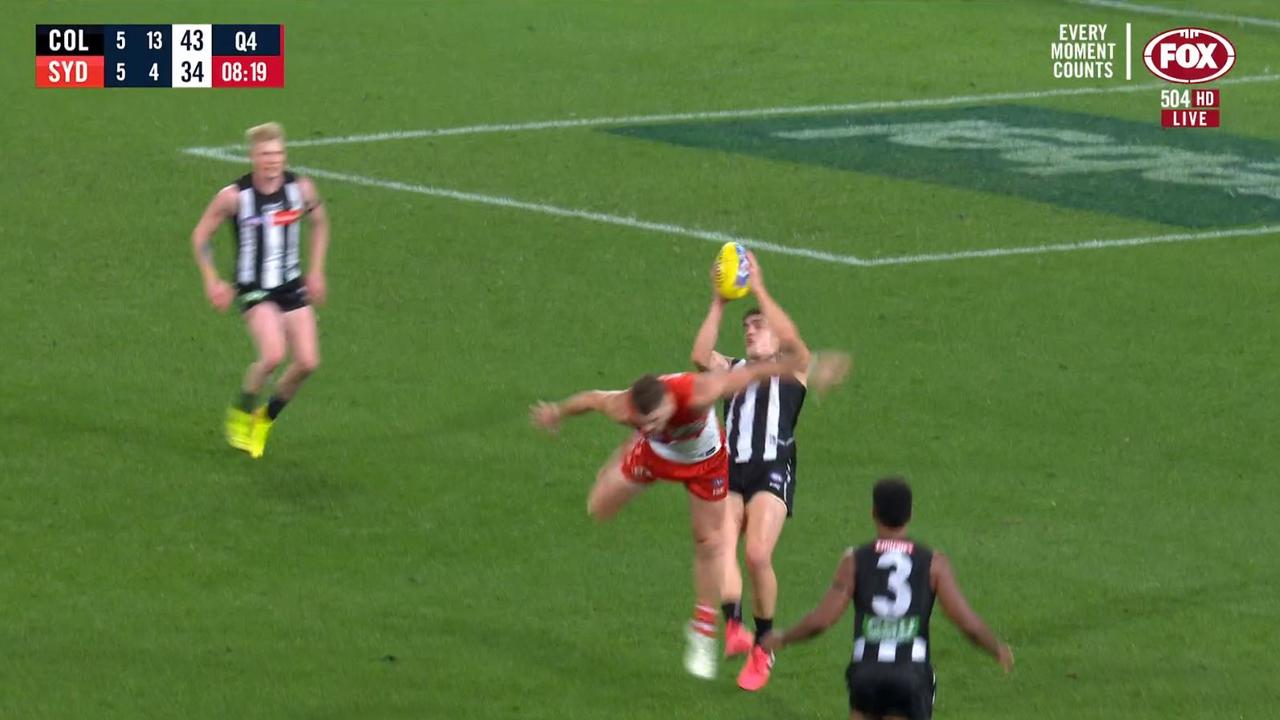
[[737, 639], [614, 486], [707, 519], [266, 328], [304, 349], [766, 514]]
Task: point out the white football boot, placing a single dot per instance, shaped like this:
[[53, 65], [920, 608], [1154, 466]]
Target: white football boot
[[700, 654]]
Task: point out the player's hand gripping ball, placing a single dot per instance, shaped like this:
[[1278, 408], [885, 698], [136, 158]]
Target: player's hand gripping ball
[[733, 271]]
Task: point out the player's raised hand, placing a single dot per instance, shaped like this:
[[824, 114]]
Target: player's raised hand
[[828, 369], [1004, 656], [757, 277], [545, 415], [316, 289], [220, 294], [716, 298]]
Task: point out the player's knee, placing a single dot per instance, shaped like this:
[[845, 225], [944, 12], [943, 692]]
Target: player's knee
[[598, 510], [271, 359], [707, 544], [308, 364], [759, 557]]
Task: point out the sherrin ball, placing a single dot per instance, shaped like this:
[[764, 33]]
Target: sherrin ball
[[733, 273]]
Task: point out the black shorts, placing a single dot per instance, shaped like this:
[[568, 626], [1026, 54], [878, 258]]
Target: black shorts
[[288, 297], [776, 477], [900, 689]]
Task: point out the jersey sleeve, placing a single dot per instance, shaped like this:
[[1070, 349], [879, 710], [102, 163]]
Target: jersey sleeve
[[681, 387]]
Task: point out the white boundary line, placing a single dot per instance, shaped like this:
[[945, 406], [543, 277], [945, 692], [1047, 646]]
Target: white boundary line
[[545, 209], [720, 237], [741, 114], [1069, 247], [231, 153], [1180, 12]]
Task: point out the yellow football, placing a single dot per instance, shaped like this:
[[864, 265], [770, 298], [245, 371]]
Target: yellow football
[[733, 272]]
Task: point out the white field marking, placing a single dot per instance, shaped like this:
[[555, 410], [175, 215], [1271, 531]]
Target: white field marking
[[234, 154], [544, 209], [1180, 12], [720, 237], [740, 114], [1070, 247]]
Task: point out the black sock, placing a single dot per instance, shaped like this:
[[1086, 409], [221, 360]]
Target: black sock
[[246, 401], [274, 406], [732, 611], [763, 626]]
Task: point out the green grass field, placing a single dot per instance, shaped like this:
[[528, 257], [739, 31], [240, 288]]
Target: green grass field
[[1091, 434]]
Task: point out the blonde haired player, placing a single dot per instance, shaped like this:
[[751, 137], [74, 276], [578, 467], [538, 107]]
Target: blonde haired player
[[266, 208]]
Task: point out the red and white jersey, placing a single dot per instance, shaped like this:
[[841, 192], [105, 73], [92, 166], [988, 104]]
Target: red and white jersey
[[691, 435]]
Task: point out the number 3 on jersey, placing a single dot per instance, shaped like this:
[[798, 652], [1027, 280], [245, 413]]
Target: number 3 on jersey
[[899, 586]]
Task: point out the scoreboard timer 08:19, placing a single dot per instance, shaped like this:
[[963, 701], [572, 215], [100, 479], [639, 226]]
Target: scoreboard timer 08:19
[[180, 56]]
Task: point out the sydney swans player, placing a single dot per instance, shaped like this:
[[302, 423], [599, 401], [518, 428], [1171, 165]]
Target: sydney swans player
[[266, 208], [678, 439], [760, 422]]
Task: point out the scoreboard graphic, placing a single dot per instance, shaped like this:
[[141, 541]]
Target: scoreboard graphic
[[168, 56]]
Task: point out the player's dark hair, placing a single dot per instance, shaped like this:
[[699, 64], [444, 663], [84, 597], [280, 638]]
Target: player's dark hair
[[647, 393], [750, 314], [891, 502]]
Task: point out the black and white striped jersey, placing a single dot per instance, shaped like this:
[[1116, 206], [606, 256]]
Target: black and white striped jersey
[[892, 600], [760, 421], [267, 229]]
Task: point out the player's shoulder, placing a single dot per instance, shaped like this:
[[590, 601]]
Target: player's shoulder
[[303, 181], [939, 564], [228, 195], [306, 185]]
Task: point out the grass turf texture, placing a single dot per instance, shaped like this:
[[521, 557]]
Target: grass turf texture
[[1090, 434]]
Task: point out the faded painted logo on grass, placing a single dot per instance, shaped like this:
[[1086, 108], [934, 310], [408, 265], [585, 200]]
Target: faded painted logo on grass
[[1063, 158]]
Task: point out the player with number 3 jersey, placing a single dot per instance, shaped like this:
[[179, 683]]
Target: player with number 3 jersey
[[892, 582]]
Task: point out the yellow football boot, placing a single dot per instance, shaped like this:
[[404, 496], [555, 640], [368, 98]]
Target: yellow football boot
[[239, 428], [258, 434]]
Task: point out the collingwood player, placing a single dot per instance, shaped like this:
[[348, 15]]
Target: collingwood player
[[266, 208], [892, 582], [760, 426]]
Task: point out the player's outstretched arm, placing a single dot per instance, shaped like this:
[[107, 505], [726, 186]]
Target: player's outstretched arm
[[958, 611], [828, 612], [826, 369], [318, 240], [614, 404], [222, 206], [704, 355], [779, 321]]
